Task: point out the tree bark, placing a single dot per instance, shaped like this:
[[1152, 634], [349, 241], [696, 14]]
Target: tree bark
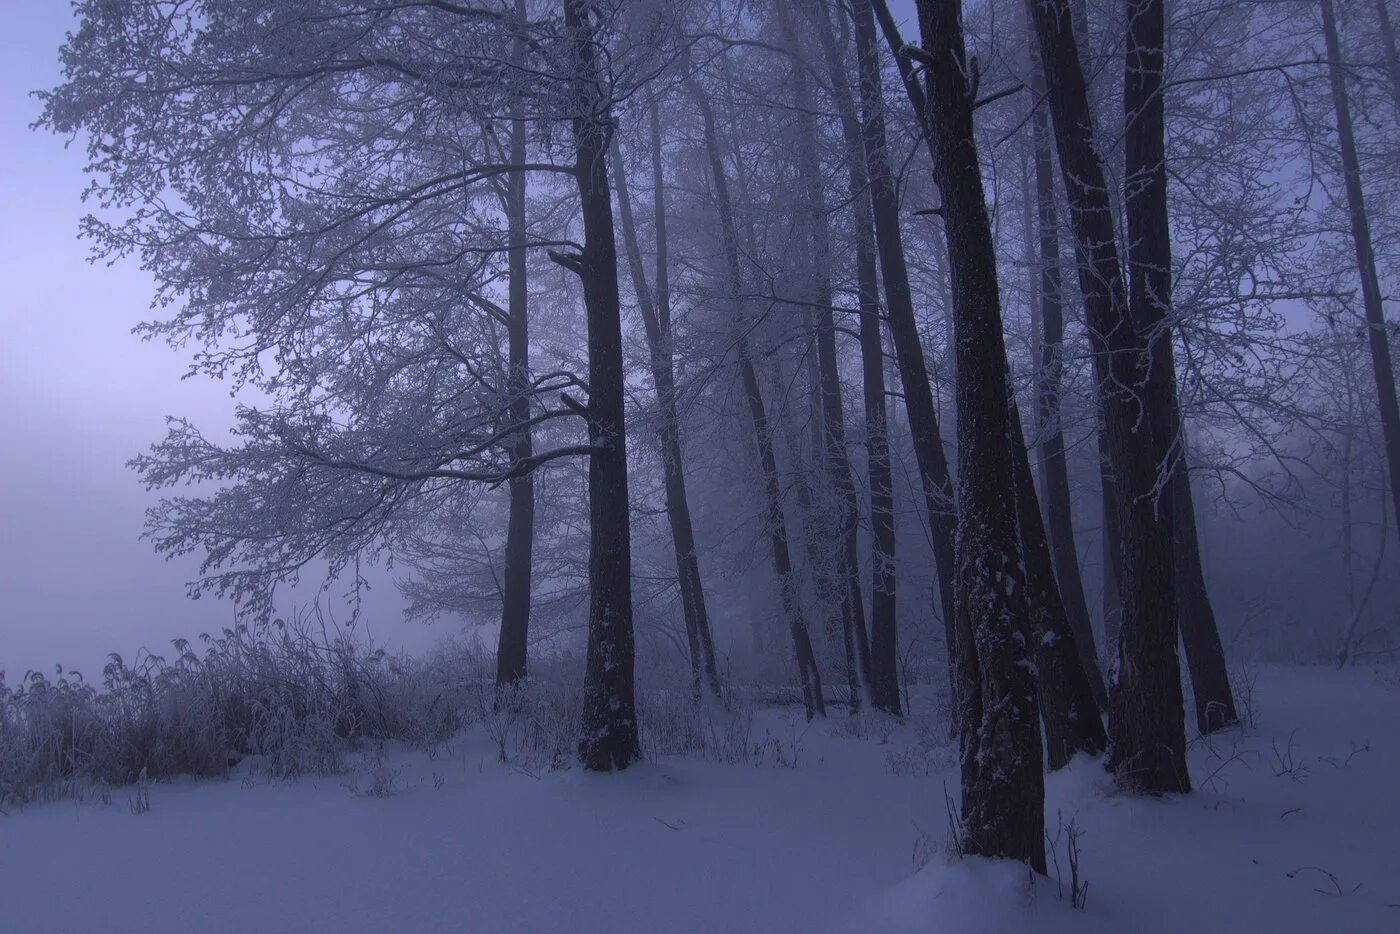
[[1003, 785], [656, 321], [1365, 259], [1148, 741], [512, 647], [608, 738], [1068, 709]]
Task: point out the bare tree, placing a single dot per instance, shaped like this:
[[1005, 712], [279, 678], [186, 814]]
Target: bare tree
[[608, 738], [1145, 708], [1003, 786], [655, 308], [1381, 366]]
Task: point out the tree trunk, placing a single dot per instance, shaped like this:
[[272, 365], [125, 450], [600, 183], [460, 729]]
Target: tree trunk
[[1200, 635], [656, 320], [1150, 283], [1145, 706], [1054, 468], [1365, 259], [913, 372], [511, 649], [608, 739], [884, 640], [1067, 705], [1003, 785], [809, 678], [1112, 552]]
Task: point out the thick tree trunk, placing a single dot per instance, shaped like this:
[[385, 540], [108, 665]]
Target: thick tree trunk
[[1145, 705], [1054, 468], [1067, 705], [808, 676], [1365, 259], [609, 739], [511, 649], [1003, 785], [913, 372], [656, 320], [884, 635], [1150, 283]]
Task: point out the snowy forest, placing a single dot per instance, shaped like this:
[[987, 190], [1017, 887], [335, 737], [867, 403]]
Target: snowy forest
[[820, 430]]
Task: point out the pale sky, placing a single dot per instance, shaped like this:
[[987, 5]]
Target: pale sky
[[79, 395]]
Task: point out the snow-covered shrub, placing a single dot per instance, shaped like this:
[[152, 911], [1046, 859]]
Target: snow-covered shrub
[[534, 724], [931, 752], [295, 695]]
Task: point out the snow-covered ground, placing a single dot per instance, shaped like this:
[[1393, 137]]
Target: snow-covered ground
[[1294, 827]]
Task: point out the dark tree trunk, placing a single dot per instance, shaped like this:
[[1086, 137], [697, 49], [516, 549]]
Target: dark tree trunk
[[656, 320], [1003, 785], [856, 639], [821, 538], [809, 678], [1054, 469], [1145, 705], [608, 740], [1067, 705], [884, 631], [884, 634], [1200, 636], [1365, 257], [1149, 284], [511, 649], [909, 354], [1112, 550]]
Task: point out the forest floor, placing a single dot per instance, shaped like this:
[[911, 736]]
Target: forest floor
[[1293, 827]]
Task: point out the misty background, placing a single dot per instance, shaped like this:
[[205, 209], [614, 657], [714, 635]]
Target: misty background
[[79, 396]]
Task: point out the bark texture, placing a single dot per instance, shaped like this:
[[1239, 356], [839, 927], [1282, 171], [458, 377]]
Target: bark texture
[[1003, 785]]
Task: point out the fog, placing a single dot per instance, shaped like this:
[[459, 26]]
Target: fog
[[79, 396]]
